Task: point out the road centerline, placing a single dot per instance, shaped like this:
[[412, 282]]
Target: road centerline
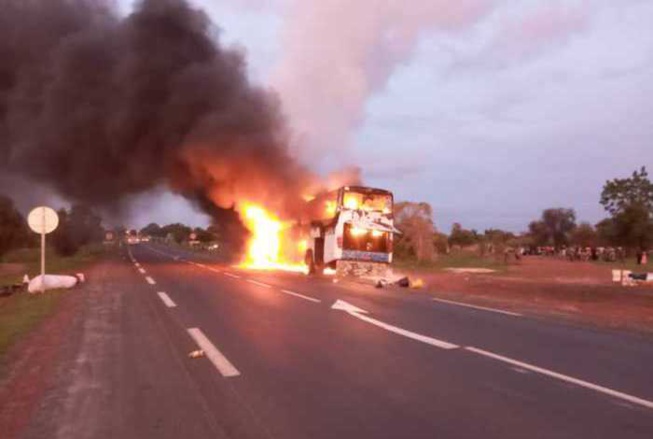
[[150, 280], [166, 300], [301, 296], [235, 276], [482, 308], [224, 366], [260, 284]]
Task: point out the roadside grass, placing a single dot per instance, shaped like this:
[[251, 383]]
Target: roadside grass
[[20, 313], [30, 259], [455, 260]]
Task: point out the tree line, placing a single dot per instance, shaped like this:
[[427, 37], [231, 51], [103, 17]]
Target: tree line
[[628, 203]]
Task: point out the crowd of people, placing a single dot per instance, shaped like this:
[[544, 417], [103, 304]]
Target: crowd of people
[[579, 253]]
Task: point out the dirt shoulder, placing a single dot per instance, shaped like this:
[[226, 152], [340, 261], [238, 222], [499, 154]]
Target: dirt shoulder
[[576, 291]]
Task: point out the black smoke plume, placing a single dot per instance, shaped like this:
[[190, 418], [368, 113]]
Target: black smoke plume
[[99, 107]]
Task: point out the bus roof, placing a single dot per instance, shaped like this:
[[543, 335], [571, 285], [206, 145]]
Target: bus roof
[[367, 190]]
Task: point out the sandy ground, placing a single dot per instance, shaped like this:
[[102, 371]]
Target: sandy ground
[[579, 291]]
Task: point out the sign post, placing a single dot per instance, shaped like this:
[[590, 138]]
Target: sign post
[[43, 220]]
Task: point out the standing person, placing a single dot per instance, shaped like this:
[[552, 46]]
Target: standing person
[[644, 257]]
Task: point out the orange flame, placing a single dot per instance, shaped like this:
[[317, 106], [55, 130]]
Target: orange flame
[[265, 249]]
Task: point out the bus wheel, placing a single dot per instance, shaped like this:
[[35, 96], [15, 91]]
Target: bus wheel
[[310, 262]]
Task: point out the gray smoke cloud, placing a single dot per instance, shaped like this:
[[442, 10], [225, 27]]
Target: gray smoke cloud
[[99, 107]]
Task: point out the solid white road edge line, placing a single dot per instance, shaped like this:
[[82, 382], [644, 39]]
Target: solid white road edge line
[[301, 296], [235, 276], [260, 284], [483, 308], [166, 300], [359, 314], [150, 280], [213, 354], [566, 378]]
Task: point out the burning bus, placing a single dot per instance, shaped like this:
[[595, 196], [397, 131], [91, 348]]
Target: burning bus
[[350, 231]]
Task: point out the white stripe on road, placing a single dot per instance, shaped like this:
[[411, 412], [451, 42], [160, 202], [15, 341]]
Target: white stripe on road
[[354, 311], [235, 276], [142, 271], [566, 378], [137, 265], [150, 280], [213, 354], [483, 308], [419, 337], [260, 284], [166, 300], [301, 296]]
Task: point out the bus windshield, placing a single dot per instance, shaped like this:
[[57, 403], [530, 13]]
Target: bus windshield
[[370, 202]]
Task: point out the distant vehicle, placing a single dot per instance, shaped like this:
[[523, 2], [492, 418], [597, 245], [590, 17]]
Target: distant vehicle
[[145, 239], [351, 231], [131, 240]]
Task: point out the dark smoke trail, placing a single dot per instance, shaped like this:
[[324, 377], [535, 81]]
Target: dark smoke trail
[[99, 107]]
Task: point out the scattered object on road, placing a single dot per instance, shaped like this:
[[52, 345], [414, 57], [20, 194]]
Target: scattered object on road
[[51, 282], [417, 283], [80, 277], [196, 354], [471, 270], [628, 279]]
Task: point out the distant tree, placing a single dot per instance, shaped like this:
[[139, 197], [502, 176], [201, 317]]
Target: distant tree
[[584, 236], [152, 229], [630, 204], [554, 227], [415, 221], [203, 235], [605, 232], [13, 228], [78, 226], [462, 237], [539, 234], [441, 243], [178, 231]]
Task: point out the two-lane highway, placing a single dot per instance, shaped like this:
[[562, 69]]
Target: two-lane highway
[[288, 356]]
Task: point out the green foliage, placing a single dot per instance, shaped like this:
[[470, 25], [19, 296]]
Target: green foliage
[[415, 220], [462, 237], [203, 235], [177, 231], [153, 230], [630, 204], [620, 194], [78, 226], [584, 235], [554, 227], [13, 228]]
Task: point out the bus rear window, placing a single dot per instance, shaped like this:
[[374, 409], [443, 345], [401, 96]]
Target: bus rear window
[[366, 240], [367, 202]]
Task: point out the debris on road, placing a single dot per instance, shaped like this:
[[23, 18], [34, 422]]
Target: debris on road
[[196, 354]]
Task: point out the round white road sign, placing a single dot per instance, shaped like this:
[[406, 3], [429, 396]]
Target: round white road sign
[[43, 220]]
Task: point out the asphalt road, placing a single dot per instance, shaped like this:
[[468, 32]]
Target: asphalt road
[[282, 362]]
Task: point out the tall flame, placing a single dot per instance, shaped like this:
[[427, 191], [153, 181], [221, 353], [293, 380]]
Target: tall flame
[[265, 249]]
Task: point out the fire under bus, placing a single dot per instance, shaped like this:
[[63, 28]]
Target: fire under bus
[[351, 231]]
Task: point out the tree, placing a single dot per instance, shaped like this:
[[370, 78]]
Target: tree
[[584, 236], [152, 229], [78, 226], [179, 232], [13, 228], [462, 237], [203, 235], [415, 221], [630, 204], [554, 227]]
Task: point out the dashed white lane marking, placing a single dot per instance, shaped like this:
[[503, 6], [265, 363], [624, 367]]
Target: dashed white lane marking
[[216, 357], [301, 296], [166, 300], [150, 280], [483, 308], [566, 378], [142, 271], [235, 276], [260, 284]]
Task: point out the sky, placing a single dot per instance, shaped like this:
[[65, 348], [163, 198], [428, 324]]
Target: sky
[[489, 110]]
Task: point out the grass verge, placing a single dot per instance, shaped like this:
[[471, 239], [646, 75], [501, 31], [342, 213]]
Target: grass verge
[[459, 260]]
